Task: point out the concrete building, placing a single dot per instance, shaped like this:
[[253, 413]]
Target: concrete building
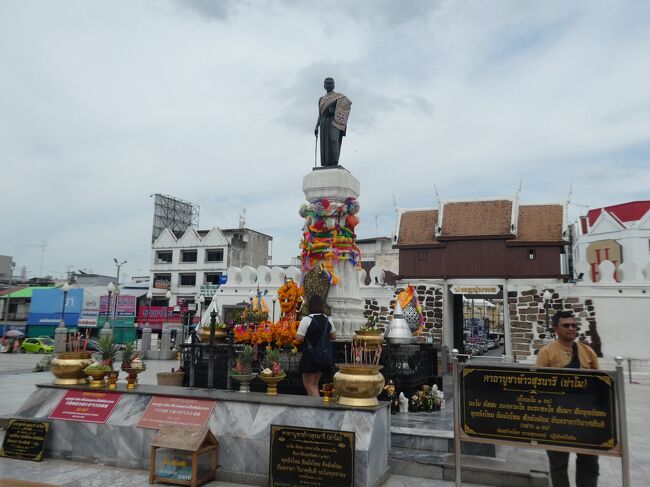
[[195, 262]]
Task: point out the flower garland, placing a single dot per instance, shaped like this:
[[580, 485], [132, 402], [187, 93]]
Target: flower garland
[[289, 296], [328, 234]]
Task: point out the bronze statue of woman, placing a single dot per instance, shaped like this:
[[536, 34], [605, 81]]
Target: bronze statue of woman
[[333, 113]]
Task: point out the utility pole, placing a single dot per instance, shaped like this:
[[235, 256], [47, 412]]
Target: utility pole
[[12, 265]]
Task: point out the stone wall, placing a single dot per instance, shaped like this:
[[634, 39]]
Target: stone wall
[[528, 319], [431, 300]]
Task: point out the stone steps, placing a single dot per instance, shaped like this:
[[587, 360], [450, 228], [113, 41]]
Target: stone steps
[[502, 472], [439, 441]]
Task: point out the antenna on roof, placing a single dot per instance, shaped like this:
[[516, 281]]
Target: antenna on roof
[[435, 189], [568, 197], [242, 219], [376, 226], [395, 204]]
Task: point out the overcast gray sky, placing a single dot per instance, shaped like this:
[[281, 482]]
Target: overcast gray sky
[[105, 103]]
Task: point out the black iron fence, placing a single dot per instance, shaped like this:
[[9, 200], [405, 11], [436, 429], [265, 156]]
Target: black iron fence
[[410, 366]]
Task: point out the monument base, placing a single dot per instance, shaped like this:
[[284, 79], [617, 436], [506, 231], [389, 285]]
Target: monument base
[[240, 422]]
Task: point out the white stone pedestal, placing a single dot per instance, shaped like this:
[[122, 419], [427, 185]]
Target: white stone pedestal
[[337, 184]]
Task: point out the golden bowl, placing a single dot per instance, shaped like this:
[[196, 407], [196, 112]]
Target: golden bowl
[[272, 383], [68, 367], [358, 385], [97, 377]]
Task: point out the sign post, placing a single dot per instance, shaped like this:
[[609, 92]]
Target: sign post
[[570, 410]]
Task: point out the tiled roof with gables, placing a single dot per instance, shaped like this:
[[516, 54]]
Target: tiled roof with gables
[[540, 223], [417, 227], [476, 218]]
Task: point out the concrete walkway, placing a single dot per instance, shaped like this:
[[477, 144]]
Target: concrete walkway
[[17, 383]]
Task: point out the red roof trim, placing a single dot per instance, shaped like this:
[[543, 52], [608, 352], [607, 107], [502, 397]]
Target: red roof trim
[[625, 212]]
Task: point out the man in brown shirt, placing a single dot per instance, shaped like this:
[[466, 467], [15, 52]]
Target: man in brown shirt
[[565, 352]]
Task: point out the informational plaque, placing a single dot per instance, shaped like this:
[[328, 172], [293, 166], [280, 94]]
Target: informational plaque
[[311, 457], [86, 406], [25, 439], [178, 411], [569, 408]]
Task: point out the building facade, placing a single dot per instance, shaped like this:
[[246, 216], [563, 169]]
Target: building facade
[[195, 263]]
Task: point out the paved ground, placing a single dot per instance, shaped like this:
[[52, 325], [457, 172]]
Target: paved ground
[[17, 382]]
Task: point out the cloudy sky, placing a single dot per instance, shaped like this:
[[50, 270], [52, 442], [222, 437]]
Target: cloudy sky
[[105, 103]]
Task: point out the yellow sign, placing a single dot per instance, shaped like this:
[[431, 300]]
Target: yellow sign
[[601, 251]]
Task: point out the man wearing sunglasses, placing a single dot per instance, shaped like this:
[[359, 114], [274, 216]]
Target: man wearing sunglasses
[[566, 352]]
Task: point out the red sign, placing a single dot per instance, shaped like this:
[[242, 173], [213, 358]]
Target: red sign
[[157, 315], [176, 410], [86, 406]]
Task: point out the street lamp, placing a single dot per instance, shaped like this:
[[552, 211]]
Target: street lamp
[[110, 289], [274, 299], [65, 289], [201, 301], [118, 270], [115, 300], [547, 296], [168, 295], [149, 298]]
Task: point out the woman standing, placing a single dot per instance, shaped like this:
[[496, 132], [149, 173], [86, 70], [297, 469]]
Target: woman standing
[[311, 328]]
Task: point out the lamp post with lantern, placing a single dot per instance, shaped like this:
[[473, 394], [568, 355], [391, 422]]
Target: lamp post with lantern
[[106, 329], [145, 344], [61, 332]]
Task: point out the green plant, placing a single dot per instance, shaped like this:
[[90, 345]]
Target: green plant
[[272, 361], [129, 355], [244, 360], [108, 350], [371, 325], [98, 367]]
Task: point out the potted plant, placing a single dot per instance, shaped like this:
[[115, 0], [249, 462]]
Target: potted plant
[[99, 370], [369, 333], [132, 364], [243, 369], [273, 372]]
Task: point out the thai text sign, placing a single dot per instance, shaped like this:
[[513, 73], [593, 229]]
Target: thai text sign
[[86, 406], [125, 305], [309, 456], [480, 290], [25, 439], [177, 411], [564, 407]]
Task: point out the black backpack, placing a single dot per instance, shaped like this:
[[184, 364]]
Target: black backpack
[[322, 352]]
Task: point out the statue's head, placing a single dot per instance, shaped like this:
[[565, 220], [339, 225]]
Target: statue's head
[[329, 84]]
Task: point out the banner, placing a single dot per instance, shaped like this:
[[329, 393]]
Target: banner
[[90, 306], [47, 305], [125, 305]]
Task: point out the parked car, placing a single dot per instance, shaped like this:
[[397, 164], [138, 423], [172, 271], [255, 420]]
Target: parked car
[[37, 345]]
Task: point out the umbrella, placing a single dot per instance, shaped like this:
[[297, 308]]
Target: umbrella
[[14, 333]]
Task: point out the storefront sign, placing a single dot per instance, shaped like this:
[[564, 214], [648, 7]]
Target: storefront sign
[[176, 410], [25, 439], [472, 289], [86, 406], [568, 408], [125, 305], [309, 456]]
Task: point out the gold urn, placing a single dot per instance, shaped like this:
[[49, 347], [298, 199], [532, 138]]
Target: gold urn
[[358, 384], [371, 338], [220, 334], [68, 367]]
